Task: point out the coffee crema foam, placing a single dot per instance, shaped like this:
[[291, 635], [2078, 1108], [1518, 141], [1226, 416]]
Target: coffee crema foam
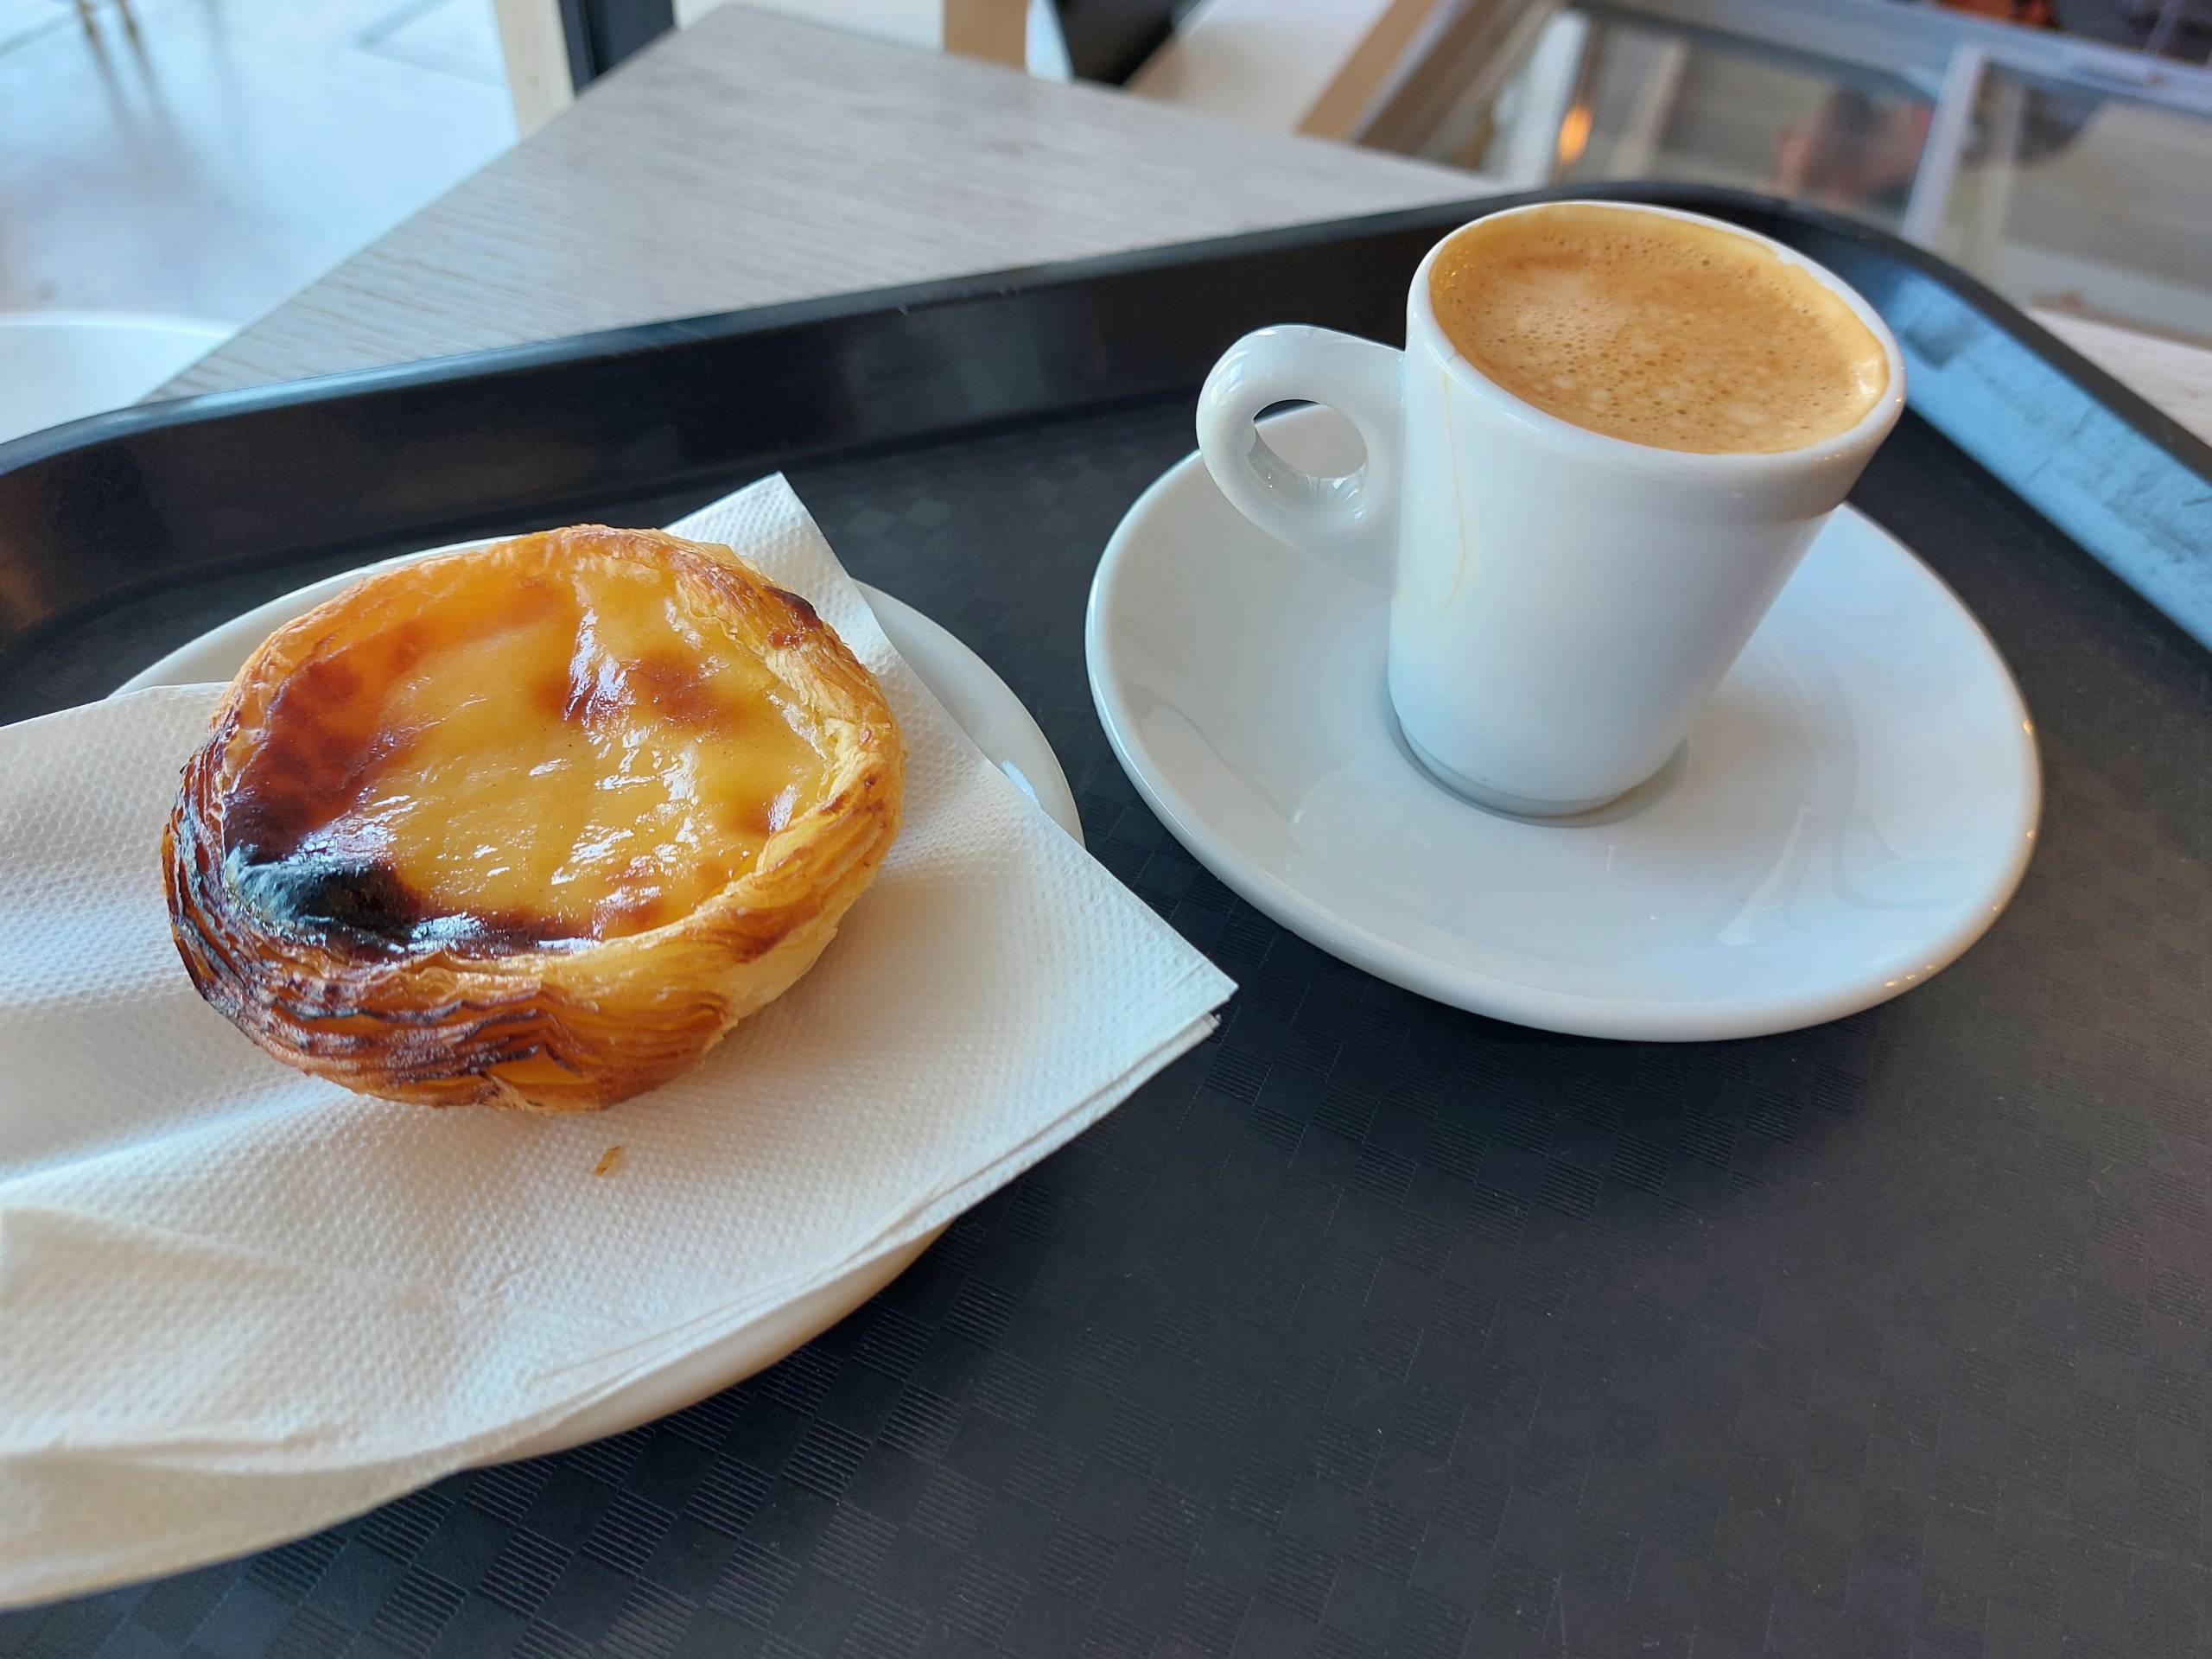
[[1657, 330]]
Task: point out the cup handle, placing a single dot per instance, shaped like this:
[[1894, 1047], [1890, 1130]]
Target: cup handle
[[1347, 521]]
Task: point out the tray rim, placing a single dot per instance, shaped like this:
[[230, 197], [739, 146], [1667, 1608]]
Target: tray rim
[[881, 369], [628, 338]]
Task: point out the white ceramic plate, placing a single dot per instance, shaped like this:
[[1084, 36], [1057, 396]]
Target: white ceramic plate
[[1854, 806], [986, 711]]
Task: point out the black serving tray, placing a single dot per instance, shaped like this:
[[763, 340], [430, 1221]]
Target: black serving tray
[[1373, 1326]]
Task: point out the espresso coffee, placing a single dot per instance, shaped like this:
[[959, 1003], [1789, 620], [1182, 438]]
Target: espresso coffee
[[1662, 331]]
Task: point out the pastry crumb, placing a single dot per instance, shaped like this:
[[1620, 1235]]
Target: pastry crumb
[[609, 1161]]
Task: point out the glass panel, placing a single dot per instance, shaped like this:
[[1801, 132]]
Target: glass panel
[[2085, 202], [2066, 198], [1617, 100]]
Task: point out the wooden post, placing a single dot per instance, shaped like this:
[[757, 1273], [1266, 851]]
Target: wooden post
[[996, 31]]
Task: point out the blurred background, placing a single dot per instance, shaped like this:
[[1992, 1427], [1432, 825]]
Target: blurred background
[[2065, 176], [171, 169]]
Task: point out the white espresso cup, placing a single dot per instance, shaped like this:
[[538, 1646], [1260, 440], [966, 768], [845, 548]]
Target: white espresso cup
[[1562, 601]]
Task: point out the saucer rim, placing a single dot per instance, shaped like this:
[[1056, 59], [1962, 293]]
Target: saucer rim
[[1567, 1013]]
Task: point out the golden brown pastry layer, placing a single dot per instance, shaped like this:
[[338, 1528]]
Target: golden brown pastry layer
[[529, 825]]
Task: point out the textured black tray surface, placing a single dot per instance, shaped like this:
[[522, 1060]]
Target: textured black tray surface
[[1376, 1327]]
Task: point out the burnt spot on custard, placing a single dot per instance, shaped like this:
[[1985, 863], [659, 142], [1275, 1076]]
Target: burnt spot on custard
[[323, 897], [675, 691], [593, 689]]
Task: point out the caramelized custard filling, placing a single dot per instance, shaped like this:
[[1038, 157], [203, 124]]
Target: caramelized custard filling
[[521, 761]]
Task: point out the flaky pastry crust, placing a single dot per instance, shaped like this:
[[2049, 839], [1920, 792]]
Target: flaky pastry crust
[[570, 1029]]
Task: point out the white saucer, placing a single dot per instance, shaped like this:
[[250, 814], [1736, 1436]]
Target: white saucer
[[1854, 808], [986, 711]]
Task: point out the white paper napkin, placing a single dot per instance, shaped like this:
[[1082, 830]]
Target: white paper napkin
[[238, 1303]]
